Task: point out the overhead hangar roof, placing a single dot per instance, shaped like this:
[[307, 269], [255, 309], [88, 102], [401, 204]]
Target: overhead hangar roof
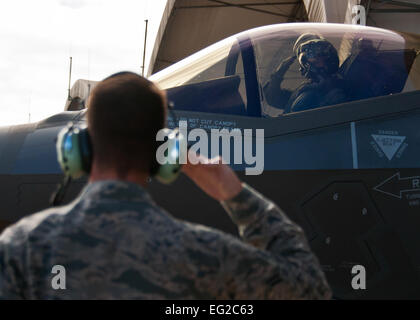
[[190, 25]]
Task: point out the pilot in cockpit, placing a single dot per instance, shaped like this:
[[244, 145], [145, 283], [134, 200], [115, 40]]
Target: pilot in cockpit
[[319, 64]]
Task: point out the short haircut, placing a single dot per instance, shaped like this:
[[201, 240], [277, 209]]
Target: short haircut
[[125, 112]]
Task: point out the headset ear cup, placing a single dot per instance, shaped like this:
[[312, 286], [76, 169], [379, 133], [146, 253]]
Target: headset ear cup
[[73, 151], [60, 149], [169, 171]]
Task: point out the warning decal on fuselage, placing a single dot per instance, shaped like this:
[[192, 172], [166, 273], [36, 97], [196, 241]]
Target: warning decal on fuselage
[[388, 143]]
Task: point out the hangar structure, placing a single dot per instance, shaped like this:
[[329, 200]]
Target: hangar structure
[[188, 26]]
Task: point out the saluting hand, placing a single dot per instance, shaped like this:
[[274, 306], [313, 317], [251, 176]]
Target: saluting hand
[[213, 177], [284, 66]]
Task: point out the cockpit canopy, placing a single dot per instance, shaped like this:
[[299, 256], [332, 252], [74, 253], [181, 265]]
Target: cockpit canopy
[[288, 68]]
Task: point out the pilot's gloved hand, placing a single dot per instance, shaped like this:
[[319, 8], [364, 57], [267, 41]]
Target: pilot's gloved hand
[[283, 67], [216, 179]]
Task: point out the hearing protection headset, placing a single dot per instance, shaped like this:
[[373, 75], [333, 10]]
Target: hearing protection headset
[[74, 153]]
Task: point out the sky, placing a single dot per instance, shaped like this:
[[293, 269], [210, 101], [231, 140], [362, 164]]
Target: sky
[[38, 37]]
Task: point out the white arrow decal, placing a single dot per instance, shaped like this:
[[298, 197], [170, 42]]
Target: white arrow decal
[[395, 186]]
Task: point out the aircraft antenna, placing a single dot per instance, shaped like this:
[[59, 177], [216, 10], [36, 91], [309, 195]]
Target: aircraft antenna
[[144, 48], [68, 96]]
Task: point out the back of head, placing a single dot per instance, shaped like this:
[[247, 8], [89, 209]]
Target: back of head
[[125, 111]]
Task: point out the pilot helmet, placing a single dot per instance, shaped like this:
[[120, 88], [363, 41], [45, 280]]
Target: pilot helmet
[[317, 57], [302, 39]]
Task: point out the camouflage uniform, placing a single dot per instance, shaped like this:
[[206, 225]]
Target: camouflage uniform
[[116, 243]]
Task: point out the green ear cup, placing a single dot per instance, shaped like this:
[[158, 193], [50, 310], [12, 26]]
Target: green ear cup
[[72, 154], [169, 171]]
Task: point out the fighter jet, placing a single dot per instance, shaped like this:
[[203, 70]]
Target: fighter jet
[[340, 109]]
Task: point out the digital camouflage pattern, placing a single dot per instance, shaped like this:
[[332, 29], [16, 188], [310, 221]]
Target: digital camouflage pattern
[[116, 243]]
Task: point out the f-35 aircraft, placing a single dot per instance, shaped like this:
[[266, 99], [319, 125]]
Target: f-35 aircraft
[[340, 109]]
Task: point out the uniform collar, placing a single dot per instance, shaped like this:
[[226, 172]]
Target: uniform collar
[[116, 189]]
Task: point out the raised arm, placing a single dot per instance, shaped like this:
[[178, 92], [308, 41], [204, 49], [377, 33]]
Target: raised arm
[[275, 95], [274, 260], [283, 267]]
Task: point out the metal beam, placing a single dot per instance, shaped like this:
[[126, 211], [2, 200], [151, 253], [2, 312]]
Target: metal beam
[[259, 4], [401, 4], [166, 61], [368, 8], [246, 6], [394, 10], [297, 10]]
